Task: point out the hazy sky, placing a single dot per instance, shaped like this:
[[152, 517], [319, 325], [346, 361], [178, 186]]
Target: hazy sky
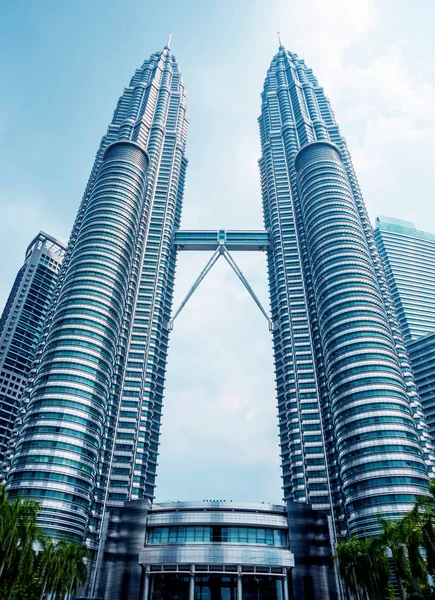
[[63, 66]]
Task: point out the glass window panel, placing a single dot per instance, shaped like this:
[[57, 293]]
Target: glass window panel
[[261, 535], [173, 534], [279, 538], [195, 533], [243, 534], [164, 535]]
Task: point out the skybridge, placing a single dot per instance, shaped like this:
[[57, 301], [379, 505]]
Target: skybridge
[[232, 239], [221, 242]]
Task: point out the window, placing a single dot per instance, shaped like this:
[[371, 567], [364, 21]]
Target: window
[[217, 534]]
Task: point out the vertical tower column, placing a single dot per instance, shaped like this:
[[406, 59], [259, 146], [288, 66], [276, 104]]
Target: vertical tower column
[[379, 455], [67, 407], [239, 583], [192, 583], [146, 584], [285, 585]]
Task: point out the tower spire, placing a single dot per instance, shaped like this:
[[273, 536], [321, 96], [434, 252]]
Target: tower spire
[[279, 40], [168, 45]]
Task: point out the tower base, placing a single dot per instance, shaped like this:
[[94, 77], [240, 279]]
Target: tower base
[[215, 550]]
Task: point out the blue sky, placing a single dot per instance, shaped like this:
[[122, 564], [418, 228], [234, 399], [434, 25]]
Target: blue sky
[[63, 66]]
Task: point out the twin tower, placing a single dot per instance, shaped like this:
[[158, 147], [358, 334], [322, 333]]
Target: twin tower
[[354, 442]]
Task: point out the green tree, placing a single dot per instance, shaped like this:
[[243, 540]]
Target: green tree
[[424, 516], [412, 538], [376, 550], [71, 572], [19, 534], [49, 566], [393, 539], [353, 565], [32, 565]]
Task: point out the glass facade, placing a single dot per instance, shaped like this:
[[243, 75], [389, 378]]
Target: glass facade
[[215, 587], [346, 395], [408, 257], [21, 325], [422, 356], [240, 535]]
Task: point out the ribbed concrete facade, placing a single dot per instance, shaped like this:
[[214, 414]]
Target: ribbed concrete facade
[[352, 433]]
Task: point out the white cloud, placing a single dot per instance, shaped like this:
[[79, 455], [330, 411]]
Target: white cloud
[[323, 31], [219, 424], [393, 146]]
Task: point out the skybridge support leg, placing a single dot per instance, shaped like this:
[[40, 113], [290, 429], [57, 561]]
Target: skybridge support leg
[[200, 278], [221, 250], [230, 260]]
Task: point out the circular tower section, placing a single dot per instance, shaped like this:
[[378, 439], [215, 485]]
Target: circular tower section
[[58, 450], [381, 464]]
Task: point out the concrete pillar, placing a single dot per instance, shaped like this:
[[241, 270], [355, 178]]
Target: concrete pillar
[[146, 583], [239, 583], [192, 583], [279, 588], [285, 586]]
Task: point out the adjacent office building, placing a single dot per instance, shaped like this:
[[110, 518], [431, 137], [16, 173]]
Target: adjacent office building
[[354, 442], [408, 256], [21, 325]]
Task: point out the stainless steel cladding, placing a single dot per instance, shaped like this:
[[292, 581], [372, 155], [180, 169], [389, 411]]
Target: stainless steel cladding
[[67, 409]]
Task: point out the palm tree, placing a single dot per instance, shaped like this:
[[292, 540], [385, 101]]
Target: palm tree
[[380, 571], [18, 532], [424, 515], [353, 564], [411, 537], [392, 537], [72, 572], [48, 565], [35, 564]]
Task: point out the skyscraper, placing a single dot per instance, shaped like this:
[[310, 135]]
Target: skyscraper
[[352, 431], [21, 324], [90, 435], [408, 256], [353, 439], [422, 357]]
